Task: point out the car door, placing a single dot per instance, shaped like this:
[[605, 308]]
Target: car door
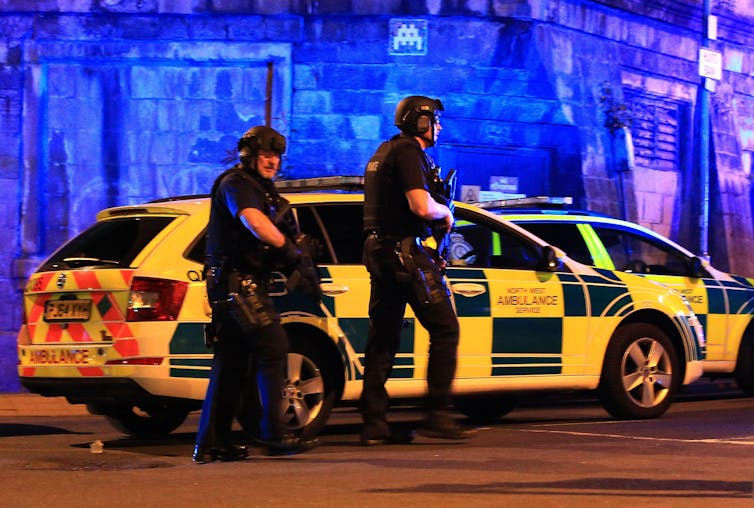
[[512, 313], [618, 247], [336, 229], [634, 251], [336, 232]]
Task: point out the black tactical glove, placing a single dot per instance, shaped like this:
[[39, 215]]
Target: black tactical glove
[[287, 257], [305, 277]]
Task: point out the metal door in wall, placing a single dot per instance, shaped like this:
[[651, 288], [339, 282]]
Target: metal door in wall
[[111, 123], [509, 170]]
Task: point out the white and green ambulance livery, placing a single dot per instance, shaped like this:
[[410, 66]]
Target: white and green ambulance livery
[[114, 319]]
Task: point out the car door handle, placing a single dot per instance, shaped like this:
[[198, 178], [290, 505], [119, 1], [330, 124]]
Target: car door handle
[[468, 289], [331, 289]]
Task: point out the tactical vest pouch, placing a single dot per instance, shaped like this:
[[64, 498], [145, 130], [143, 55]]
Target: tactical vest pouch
[[247, 306], [426, 282], [210, 335]]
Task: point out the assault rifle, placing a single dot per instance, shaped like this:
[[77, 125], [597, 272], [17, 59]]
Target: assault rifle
[[442, 190]]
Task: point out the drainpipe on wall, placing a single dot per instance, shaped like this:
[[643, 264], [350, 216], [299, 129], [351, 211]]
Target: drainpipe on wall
[[623, 159], [268, 95], [704, 144]]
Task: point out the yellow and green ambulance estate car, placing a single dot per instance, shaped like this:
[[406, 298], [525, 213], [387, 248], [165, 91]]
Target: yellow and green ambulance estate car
[[114, 319], [723, 303]]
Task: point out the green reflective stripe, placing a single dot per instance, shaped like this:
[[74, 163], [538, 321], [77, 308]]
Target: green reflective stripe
[[192, 373], [574, 300], [190, 367], [715, 297], [497, 250], [692, 342], [608, 295], [192, 362], [739, 299], [473, 306], [457, 274], [523, 360], [188, 339], [527, 335], [403, 367], [524, 371], [526, 346], [356, 329], [608, 274], [600, 257], [744, 283]]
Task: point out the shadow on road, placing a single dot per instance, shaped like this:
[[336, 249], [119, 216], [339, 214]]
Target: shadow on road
[[25, 429]]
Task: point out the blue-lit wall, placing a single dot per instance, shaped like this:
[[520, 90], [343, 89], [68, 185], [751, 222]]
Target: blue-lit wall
[[115, 102]]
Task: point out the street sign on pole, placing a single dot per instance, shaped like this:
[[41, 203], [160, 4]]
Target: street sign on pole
[[710, 63]]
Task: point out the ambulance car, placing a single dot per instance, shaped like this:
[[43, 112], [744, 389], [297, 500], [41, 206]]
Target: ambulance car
[[723, 303], [114, 319]]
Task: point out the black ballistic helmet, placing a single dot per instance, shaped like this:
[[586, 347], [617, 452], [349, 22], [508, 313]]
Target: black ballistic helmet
[[260, 138], [415, 115]]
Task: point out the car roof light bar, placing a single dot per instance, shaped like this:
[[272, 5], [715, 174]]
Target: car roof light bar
[[348, 183], [529, 202]]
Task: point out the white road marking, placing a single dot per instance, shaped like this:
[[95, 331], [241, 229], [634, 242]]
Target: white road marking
[[746, 441]]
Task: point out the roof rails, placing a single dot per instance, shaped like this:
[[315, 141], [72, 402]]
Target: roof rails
[[178, 198], [344, 183], [530, 202]]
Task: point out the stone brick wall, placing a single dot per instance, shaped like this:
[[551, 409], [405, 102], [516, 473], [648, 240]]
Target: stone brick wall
[[116, 101]]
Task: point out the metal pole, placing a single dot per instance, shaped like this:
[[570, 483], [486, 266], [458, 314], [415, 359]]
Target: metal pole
[[268, 95], [704, 146]]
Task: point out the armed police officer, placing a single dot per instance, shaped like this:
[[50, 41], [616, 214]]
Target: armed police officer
[[247, 238], [399, 212]]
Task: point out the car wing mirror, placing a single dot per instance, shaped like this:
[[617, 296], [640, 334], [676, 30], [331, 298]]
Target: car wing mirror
[[550, 260]]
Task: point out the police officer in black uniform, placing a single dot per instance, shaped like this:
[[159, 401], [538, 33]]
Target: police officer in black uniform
[[245, 242], [398, 214]]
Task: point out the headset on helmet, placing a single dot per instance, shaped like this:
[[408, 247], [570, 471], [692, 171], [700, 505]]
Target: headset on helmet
[[260, 138], [415, 115]]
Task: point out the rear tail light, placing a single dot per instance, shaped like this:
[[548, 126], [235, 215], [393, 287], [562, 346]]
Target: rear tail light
[[155, 299]]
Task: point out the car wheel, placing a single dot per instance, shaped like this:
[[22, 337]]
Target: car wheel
[[640, 374], [745, 366], [147, 421], [484, 408], [309, 390]]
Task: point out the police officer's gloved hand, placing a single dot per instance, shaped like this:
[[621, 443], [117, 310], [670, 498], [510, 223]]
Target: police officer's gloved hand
[[288, 256]]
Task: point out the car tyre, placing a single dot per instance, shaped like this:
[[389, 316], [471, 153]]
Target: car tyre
[[484, 408], [147, 421], [310, 389], [641, 373], [745, 365]]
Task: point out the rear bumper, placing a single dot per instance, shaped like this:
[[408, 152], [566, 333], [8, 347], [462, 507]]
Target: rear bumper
[[100, 392]]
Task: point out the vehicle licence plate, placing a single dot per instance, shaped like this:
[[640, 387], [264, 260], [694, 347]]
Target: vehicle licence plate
[[67, 310]]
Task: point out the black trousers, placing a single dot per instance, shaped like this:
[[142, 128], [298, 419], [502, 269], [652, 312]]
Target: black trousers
[[390, 292], [246, 366]]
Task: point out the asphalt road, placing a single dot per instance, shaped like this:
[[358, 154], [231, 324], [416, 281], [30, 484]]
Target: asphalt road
[[570, 454]]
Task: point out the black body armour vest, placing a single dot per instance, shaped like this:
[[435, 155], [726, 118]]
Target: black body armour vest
[[386, 209]]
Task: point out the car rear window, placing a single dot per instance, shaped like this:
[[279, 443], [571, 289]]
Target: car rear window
[[110, 244]]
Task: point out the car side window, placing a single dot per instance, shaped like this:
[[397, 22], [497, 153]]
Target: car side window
[[476, 241], [633, 252], [198, 250], [336, 231], [564, 235]]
